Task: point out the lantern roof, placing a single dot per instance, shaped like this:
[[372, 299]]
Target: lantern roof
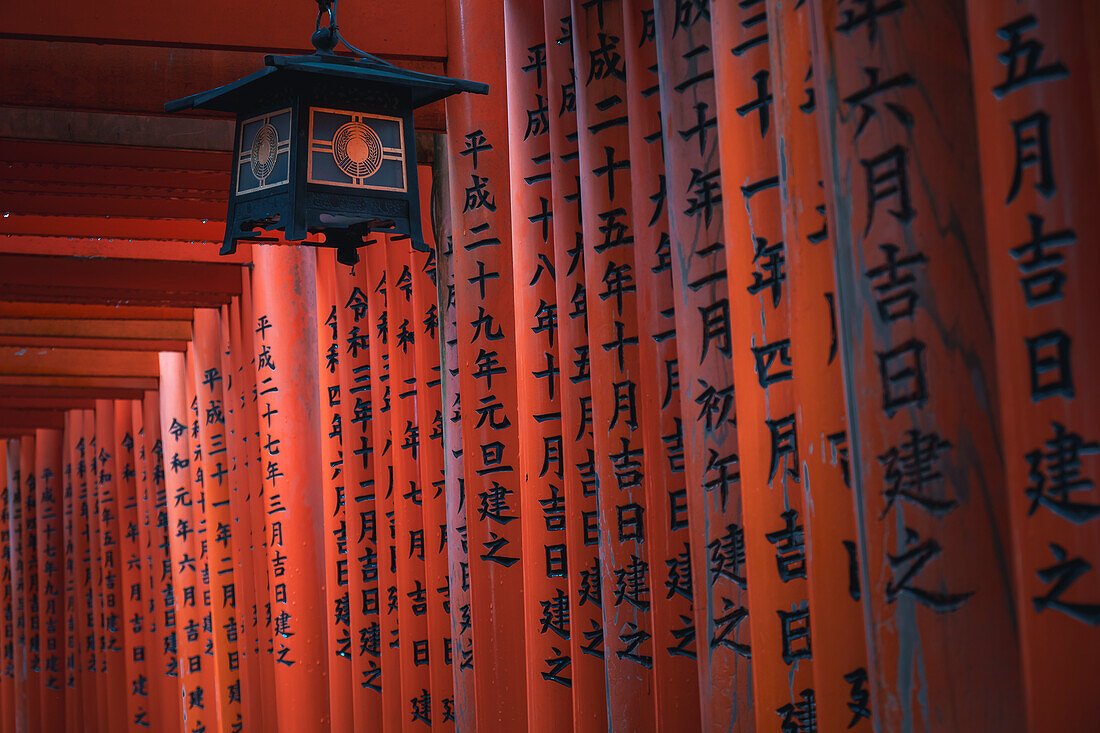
[[282, 70]]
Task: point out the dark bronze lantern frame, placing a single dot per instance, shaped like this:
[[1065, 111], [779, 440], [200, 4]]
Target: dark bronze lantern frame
[[325, 143]]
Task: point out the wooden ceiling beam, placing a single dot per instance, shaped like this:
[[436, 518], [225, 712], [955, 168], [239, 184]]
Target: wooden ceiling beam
[[26, 362], [104, 384], [95, 328], [35, 310]]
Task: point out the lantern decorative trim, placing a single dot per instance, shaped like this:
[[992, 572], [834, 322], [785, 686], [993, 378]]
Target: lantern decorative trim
[[325, 144]]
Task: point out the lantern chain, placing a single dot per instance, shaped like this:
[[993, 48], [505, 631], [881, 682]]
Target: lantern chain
[[327, 38]]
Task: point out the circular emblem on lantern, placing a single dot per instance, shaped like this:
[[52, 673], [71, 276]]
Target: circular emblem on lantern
[[265, 151], [357, 150]]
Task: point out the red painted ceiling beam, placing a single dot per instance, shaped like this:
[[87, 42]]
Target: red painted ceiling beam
[[23, 362], [17, 419], [120, 228], [70, 342], [34, 310], [94, 383]]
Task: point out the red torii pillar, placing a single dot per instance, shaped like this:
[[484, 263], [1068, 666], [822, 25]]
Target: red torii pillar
[[7, 609], [217, 514], [668, 536], [183, 545], [832, 561], [539, 493], [360, 510], [916, 348], [579, 482], [85, 551], [31, 638], [1036, 79], [19, 716], [333, 487], [49, 483], [481, 231], [287, 383]]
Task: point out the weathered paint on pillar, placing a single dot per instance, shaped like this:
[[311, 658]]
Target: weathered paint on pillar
[[579, 481], [675, 674], [131, 607], [611, 295], [832, 561], [333, 483], [286, 380], [915, 335], [362, 525], [481, 209], [374, 408], [540, 493], [1034, 67], [48, 494], [195, 673], [217, 515]]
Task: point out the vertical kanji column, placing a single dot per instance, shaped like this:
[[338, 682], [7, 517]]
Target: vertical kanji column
[[144, 516], [14, 477], [246, 615], [429, 411], [481, 207], [913, 317], [611, 302], [7, 598], [374, 409], [540, 492], [1034, 70], [131, 599], [411, 597], [332, 483], [246, 332], [195, 678], [113, 646], [362, 527], [87, 571], [32, 654], [48, 495], [579, 480], [70, 664], [287, 383], [832, 560], [675, 648], [217, 514]]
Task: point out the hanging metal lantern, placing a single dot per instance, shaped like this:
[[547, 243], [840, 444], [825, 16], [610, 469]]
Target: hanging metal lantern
[[325, 143]]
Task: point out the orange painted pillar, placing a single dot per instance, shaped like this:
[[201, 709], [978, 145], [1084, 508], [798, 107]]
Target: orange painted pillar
[[164, 647], [140, 565], [109, 468], [95, 524], [131, 596], [915, 340], [832, 556], [355, 408], [287, 383], [68, 560], [754, 329], [611, 306], [18, 583], [333, 487], [586, 650], [481, 230], [698, 251], [195, 676], [246, 613], [213, 441], [458, 546], [675, 648], [409, 539], [86, 552], [540, 493], [32, 658], [246, 335], [7, 609], [208, 697], [1035, 71], [424, 318], [49, 487], [375, 411]]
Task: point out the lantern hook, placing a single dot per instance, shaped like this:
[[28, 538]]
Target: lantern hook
[[325, 39]]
